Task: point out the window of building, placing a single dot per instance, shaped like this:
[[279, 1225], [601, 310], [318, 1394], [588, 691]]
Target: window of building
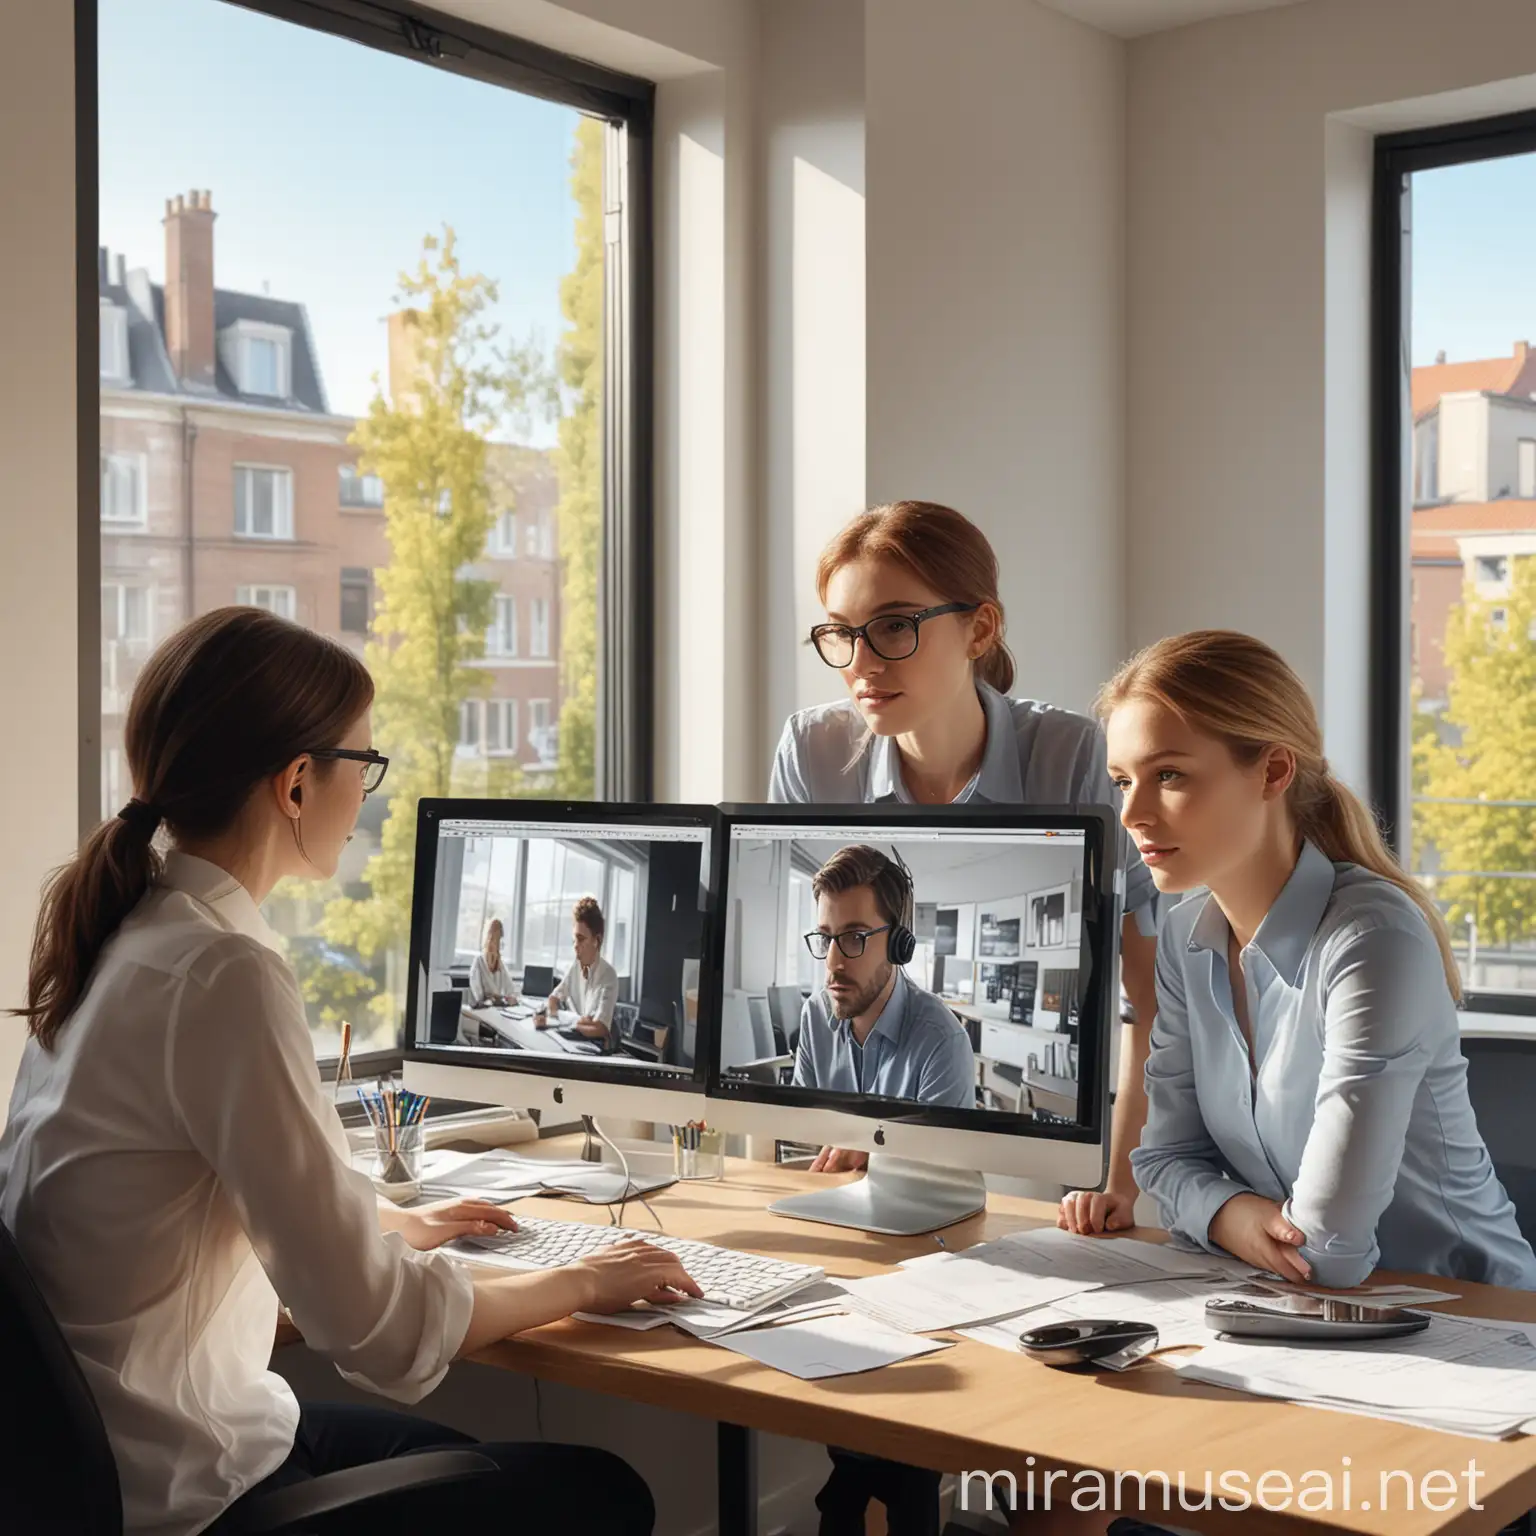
[[1450, 698], [360, 490], [259, 358], [356, 600], [263, 502], [469, 726], [542, 730], [125, 612], [114, 343], [124, 503], [501, 727], [501, 637], [538, 627], [310, 370], [280, 601], [503, 539]]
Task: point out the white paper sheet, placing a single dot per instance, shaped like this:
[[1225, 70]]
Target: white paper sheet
[[830, 1346], [1454, 1367]]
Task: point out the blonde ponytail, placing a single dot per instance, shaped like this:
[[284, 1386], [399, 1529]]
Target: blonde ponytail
[[1330, 814], [1240, 690]]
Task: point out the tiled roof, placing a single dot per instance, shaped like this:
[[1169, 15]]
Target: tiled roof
[[1436, 529], [1512, 375]]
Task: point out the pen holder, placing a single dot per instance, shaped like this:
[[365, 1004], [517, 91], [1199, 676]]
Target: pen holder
[[397, 1168], [698, 1156]]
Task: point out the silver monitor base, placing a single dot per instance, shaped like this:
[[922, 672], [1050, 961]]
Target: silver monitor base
[[896, 1198]]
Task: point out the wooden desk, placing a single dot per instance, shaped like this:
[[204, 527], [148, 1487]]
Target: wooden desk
[[523, 1035], [977, 1408]]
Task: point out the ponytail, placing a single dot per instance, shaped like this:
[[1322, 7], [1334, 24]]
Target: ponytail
[[996, 667], [230, 699], [1241, 691], [1329, 814], [84, 904]]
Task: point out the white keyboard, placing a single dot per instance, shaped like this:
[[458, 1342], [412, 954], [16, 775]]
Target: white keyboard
[[728, 1278]]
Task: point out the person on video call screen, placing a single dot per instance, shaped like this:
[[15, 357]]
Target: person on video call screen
[[872, 1030]]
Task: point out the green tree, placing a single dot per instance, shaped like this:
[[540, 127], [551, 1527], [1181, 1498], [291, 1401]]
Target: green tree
[[427, 442], [578, 459], [1490, 652]]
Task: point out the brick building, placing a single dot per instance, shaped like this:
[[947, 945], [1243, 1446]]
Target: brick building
[[226, 478]]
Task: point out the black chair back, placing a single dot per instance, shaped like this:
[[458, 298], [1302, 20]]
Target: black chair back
[[1501, 1079], [56, 1466]]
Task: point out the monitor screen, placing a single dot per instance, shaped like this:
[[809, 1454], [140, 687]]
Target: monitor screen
[[998, 1004], [548, 937]]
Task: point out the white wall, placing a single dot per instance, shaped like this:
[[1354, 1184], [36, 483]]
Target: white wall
[[38, 715], [811, 127], [995, 234], [1248, 471]]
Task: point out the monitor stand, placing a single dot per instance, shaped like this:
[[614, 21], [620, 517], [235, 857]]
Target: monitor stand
[[896, 1197]]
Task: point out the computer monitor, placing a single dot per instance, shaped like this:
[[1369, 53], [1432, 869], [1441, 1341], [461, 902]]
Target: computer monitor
[[538, 980], [1002, 1068], [647, 868]]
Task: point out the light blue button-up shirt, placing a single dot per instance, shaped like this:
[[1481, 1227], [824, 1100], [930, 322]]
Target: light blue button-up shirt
[[917, 1050], [1035, 754], [1356, 1116]]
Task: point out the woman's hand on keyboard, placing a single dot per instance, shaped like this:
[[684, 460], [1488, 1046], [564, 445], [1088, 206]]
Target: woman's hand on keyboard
[[623, 1273]]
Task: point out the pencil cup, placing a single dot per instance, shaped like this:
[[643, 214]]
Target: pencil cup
[[397, 1160], [699, 1155]]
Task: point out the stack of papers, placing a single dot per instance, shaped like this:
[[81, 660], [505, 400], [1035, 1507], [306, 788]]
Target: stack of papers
[[503, 1176], [1029, 1271], [841, 1345], [1469, 1376]]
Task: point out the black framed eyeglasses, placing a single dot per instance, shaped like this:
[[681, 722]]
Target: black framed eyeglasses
[[851, 943], [375, 764], [891, 636]]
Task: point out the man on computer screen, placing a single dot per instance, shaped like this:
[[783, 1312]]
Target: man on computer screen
[[590, 988], [872, 1030]]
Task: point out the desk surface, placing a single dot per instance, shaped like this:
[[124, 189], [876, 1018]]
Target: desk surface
[[524, 1035], [975, 1407]]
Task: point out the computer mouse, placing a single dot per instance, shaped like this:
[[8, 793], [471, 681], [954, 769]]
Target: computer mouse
[[1079, 1343]]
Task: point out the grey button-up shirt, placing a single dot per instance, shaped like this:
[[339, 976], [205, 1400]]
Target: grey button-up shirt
[[917, 1050], [1356, 1115], [1035, 754]]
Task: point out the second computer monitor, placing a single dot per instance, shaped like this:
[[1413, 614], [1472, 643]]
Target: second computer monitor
[[945, 976]]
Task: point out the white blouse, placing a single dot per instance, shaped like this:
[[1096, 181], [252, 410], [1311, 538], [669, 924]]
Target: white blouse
[[169, 1170], [484, 983]]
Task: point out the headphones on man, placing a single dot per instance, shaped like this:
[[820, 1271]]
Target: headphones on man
[[901, 942]]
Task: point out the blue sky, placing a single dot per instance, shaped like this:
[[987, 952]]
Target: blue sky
[[328, 162], [1474, 289]]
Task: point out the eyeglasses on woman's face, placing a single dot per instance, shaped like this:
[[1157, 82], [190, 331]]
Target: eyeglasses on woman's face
[[891, 636], [375, 764], [850, 943]]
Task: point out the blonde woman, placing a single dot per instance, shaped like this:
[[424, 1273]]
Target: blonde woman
[[1307, 1095], [489, 979]]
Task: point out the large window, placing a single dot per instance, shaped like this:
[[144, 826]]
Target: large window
[[1455, 563], [345, 397]]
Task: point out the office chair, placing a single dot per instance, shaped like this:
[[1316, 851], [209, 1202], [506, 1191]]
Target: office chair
[[60, 1425], [1501, 1080]]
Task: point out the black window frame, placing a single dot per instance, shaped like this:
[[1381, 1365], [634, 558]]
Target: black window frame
[[1398, 156], [624, 745]]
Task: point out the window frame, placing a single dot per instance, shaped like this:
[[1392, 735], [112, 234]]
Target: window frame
[[242, 466], [624, 745], [245, 595], [139, 522], [118, 329], [1398, 157]]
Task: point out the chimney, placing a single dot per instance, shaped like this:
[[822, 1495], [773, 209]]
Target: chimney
[[1522, 350], [189, 286], [120, 270], [1440, 357], [404, 356]]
